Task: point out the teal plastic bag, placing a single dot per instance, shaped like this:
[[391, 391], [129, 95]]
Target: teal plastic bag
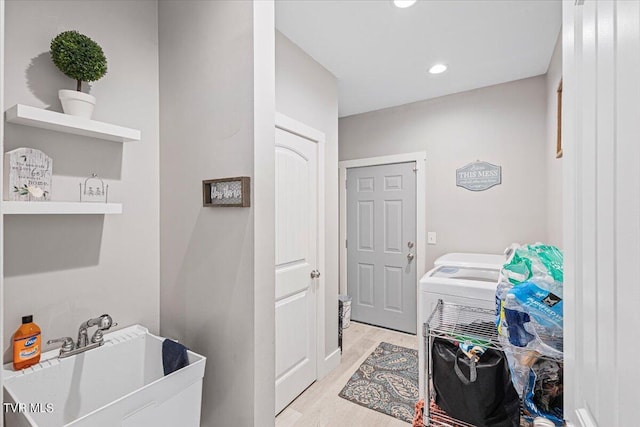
[[552, 258], [518, 269], [535, 261]]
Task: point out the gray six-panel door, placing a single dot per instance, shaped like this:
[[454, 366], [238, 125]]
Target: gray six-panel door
[[381, 233]]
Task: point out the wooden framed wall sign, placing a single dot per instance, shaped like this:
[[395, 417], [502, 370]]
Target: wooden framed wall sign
[[227, 192]]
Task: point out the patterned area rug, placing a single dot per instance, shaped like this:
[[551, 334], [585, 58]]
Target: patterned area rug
[[386, 382]]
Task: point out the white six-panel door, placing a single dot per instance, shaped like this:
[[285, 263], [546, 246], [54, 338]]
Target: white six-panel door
[[601, 133], [296, 258]]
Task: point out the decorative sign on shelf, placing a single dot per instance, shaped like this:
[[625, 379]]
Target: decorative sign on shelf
[[226, 192], [478, 176], [93, 189], [27, 175]]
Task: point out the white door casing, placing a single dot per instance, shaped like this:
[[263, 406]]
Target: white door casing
[[601, 179], [299, 251], [420, 159]]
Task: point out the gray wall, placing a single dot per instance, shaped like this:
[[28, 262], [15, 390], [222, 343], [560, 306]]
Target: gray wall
[[67, 268], [554, 166], [209, 265], [503, 124], [307, 92]]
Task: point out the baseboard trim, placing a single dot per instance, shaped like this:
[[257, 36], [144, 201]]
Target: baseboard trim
[[329, 363]]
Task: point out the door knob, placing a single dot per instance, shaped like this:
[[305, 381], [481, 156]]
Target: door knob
[[315, 274], [410, 256]]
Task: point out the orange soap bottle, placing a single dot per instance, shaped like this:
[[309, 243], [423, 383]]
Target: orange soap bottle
[[26, 344]]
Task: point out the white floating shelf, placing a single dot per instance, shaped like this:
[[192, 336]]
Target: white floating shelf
[[45, 119], [60, 208]]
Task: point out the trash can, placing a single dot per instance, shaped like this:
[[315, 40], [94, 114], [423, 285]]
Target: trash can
[[345, 312], [344, 316]]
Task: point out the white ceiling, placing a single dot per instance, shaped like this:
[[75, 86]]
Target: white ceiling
[[380, 53]]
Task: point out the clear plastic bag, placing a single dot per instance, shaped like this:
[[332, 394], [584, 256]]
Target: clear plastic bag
[[541, 262], [533, 318], [524, 339], [544, 391], [529, 309], [520, 363]]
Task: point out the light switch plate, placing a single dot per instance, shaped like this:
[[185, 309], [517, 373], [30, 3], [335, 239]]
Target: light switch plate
[[431, 238]]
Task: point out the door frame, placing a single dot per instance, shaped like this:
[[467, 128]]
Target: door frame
[[295, 127], [421, 199], [2, 304]]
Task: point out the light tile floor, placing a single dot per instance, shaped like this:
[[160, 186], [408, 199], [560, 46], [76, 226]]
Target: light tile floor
[[320, 405]]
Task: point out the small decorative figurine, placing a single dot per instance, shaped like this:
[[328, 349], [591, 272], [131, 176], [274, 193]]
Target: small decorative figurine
[[93, 189]]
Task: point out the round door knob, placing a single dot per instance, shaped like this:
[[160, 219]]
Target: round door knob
[[315, 274], [410, 256]]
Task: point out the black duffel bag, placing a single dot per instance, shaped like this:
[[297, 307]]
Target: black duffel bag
[[479, 393]]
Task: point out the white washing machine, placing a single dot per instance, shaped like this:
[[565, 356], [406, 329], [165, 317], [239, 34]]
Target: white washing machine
[[457, 259], [470, 281]]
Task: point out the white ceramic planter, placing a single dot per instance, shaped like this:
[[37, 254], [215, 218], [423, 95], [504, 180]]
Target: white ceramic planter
[[77, 103]]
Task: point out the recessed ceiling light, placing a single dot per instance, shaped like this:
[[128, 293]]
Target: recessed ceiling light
[[402, 4], [438, 68]]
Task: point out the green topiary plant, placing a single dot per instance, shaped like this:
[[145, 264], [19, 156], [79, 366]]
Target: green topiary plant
[[78, 57]]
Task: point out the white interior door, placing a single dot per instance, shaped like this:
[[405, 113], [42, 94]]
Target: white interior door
[[296, 261], [601, 133], [381, 245]]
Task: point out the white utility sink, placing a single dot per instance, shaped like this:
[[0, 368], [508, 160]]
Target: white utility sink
[[121, 383]]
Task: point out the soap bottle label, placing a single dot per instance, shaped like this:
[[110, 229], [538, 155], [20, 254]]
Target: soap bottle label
[[28, 347]]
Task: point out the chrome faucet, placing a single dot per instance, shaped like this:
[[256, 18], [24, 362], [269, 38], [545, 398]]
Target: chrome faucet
[[104, 323]]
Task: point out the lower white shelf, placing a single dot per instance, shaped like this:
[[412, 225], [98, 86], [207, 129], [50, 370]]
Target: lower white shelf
[[60, 208]]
